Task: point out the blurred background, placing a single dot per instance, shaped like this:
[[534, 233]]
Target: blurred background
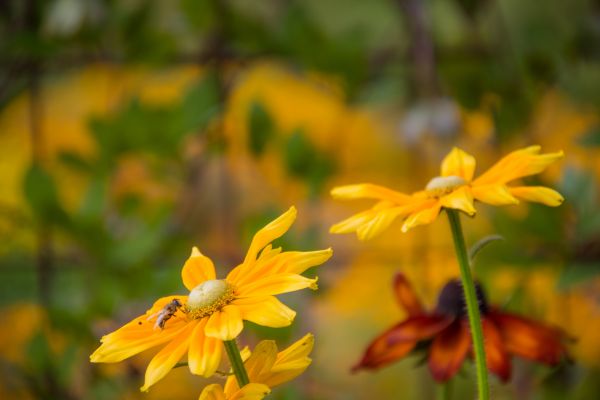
[[132, 130]]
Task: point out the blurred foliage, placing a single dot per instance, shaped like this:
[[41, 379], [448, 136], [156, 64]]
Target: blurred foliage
[[132, 130]]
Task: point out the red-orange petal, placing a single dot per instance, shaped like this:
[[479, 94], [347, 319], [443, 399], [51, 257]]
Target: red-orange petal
[[448, 351], [400, 339], [530, 339], [406, 296], [497, 358]]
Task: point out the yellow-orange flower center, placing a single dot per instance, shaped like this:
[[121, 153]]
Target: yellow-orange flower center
[[441, 185], [208, 297]]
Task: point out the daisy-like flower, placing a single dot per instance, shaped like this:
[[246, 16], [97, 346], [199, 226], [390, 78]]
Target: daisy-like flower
[[267, 367], [455, 188], [252, 391], [214, 310], [445, 332]]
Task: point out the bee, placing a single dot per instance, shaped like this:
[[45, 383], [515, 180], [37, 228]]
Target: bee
[[165, 314]]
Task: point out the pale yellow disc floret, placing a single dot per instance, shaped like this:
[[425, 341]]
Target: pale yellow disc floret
[[208, 297], [441, 185]]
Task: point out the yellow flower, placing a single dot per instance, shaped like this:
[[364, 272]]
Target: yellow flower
[[252, 391], [454, 188], [267, 367], [214, 310]]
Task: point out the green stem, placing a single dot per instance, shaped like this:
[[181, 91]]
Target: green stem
[[472, 303], [444, 390], [235, 359]]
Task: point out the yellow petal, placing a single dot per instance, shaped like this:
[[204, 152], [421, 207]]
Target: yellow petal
[[458, 163], [300, 349], [205, 352], [354, 222], [212, 392], [518, 164], [296, 262], [225, 324], [139, 335], [270, 232], [380, 221], [265, 311], [422, 217], [261, 360], [261, 239], [252, 391], [369, 191], [538, 194], [459, 199], [291, 362], [166, 359], [495, 194], [197, 269], [276, 284]]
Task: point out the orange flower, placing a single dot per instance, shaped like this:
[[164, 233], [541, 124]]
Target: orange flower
[[454, 188], [215, 309], [446, 330]]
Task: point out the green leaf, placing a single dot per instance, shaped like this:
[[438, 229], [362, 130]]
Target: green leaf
[[260, 127], [481, 244], [41, 194], [304, 160]]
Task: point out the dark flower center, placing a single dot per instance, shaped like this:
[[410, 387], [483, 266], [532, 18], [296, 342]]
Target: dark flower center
[[451, 300]]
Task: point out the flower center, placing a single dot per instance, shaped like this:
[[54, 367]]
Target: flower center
[[208, 297], [441, 185], [451, 300]]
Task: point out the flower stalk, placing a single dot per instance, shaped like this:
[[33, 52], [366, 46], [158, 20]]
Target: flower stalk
[[235, 359], [472, 303]]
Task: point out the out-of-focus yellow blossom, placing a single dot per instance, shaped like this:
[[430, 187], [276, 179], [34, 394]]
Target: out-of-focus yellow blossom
[[67, 104], [317, 108], [558, 123], [215, 309], [455, 188]]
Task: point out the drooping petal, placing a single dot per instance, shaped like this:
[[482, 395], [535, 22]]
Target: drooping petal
[[252, 391], [530, 339], [140, 334], [518, 164], [225, 324], [497, 358], [197, 269], [494, 194], [448, 351], [165, 360], [378, 223], [276, 284], [205, 352], [460, 199], [369, 191], [406, 296], [399, 340], [458, 163], [422, 217], [538, 194], [261, 361]]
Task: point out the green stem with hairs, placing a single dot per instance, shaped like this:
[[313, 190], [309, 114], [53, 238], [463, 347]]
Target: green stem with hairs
[[472, 303], [235, 359]]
